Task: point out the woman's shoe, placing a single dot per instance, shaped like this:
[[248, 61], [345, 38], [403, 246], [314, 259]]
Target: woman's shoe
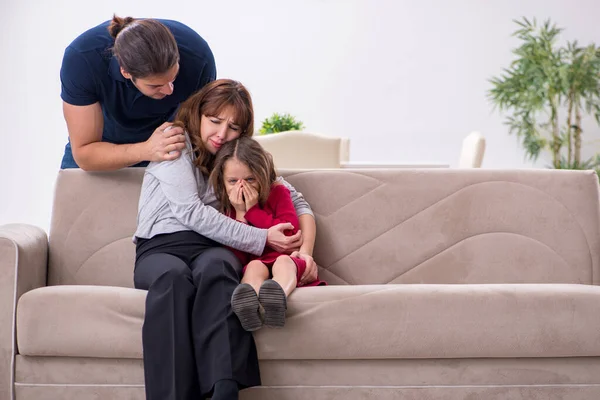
[[245, 305], [272, 297]]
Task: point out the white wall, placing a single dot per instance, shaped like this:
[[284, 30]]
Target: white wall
[[404, 80]]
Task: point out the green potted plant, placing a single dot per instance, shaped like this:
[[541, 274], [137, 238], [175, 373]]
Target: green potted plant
[[280, 123], [540, 83]]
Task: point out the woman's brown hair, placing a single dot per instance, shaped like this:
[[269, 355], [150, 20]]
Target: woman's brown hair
[[143, 47], [249, 152], [210, 101]]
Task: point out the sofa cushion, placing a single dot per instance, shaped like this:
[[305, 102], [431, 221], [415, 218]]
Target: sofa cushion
[[342, 322], [79, 321]]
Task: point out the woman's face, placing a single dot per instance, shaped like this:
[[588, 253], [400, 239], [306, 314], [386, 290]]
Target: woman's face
[[216, 130]]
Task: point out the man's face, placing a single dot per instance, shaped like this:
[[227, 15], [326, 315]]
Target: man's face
[[155, 86]]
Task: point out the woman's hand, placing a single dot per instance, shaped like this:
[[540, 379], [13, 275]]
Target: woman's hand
[[236, 198], [311, 271], [250, 195], [277, 240]]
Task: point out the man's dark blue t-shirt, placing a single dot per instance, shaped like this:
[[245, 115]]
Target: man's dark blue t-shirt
[[90, 74]]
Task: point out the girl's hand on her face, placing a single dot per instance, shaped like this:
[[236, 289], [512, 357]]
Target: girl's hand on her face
[[250, 195], [236, 198]]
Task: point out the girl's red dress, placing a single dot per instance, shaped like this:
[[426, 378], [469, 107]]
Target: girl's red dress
[[278, 209]]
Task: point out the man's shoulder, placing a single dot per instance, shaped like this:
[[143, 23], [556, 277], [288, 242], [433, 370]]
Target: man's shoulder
[[191, 45], [180, 30], [95, 40]]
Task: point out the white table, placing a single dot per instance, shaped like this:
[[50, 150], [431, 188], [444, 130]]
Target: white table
[[390, 165]]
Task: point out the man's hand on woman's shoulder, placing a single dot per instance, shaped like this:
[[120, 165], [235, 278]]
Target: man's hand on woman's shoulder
[[166, 143]]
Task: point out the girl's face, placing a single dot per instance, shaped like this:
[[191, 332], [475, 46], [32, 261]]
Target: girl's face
[[234, 171], [217, 130]]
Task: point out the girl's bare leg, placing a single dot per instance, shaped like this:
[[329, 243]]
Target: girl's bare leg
[[256, 273], [284, 273], [273, 292]]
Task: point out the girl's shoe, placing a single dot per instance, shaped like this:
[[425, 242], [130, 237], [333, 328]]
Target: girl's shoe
[[245, 305], [272, 297]]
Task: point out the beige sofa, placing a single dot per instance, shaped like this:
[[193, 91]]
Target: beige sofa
[[446, 284]]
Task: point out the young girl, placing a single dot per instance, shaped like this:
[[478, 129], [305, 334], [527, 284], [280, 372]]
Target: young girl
[[246, 185]]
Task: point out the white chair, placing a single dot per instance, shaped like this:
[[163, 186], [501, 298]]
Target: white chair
[[303, 150], [473, 149]]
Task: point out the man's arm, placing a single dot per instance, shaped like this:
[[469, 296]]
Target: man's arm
[[85, 124]]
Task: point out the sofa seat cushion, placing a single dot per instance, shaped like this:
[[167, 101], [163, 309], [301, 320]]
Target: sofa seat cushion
[[81, 321], [342, 322]]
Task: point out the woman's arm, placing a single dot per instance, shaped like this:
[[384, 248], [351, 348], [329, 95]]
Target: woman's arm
[[301, 206], [308, 227], [309, 233], [179, 186]]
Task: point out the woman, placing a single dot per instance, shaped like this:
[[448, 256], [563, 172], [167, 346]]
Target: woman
[[194, 346]]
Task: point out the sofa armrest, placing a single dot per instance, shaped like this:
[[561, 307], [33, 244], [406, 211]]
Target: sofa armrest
[[23, 267]]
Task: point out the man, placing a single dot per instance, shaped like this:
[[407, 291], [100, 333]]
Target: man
[[122, 82]]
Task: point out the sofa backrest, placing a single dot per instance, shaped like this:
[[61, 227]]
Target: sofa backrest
[[373, 226]]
